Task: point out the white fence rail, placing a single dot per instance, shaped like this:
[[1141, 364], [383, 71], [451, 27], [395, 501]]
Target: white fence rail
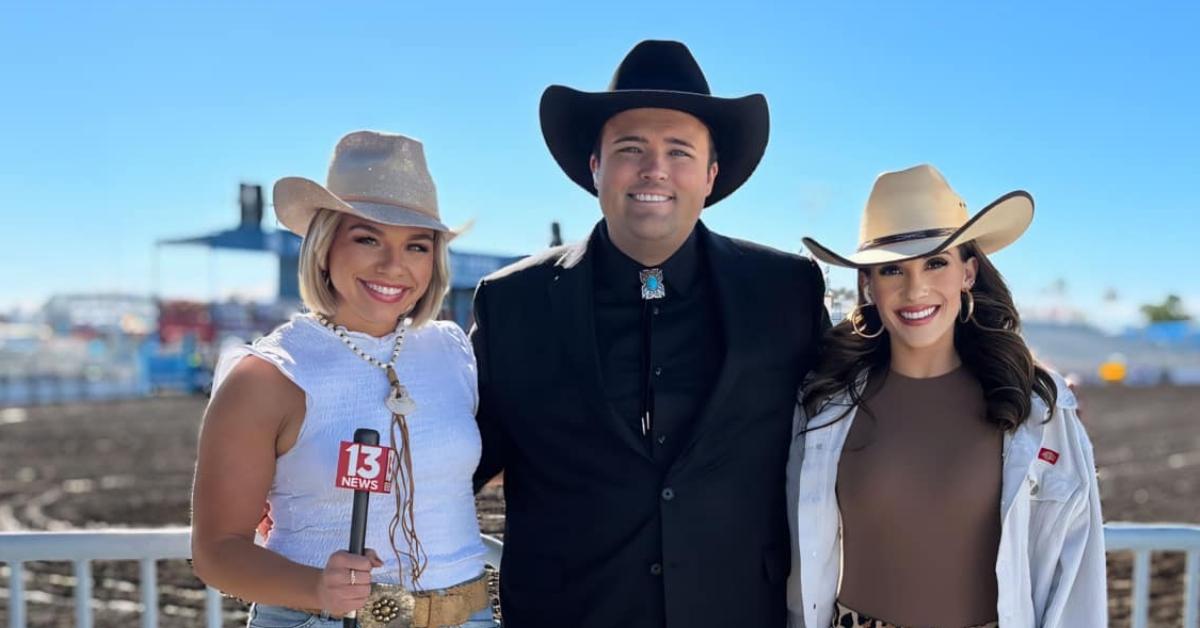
[[145, 546], [1142, 539], [148, 546]]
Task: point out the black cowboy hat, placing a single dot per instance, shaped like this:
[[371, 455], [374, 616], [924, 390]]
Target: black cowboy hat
[[658, 74]]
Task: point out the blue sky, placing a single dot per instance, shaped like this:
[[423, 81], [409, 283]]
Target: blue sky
[[125, 123]]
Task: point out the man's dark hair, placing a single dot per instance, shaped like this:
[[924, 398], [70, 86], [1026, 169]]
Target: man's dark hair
[[712, 146]]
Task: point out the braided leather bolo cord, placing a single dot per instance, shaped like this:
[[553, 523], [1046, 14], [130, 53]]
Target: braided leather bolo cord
[[405, 517]]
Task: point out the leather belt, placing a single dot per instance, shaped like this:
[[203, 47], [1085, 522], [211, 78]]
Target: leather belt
[[392, 606]]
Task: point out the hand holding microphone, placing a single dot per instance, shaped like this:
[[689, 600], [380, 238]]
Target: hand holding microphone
[[346, 581]]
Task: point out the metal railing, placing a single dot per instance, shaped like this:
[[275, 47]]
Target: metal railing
[[1141, 539], [148, 546], [145, 546]]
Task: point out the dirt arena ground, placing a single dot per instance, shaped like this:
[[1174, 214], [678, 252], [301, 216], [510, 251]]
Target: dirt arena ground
[[129, 464]]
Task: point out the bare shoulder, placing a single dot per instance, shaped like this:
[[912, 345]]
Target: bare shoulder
[[255, 394]]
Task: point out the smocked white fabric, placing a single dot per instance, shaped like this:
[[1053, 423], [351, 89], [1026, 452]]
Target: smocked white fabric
[[343, 393]]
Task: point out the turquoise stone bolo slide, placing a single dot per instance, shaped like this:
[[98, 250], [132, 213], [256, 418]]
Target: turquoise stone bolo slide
[[652, 284]]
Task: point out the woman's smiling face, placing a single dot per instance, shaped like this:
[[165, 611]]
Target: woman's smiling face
[[379, 272], [918, 300]]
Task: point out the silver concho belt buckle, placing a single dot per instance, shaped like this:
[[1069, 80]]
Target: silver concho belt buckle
[[388, 606]]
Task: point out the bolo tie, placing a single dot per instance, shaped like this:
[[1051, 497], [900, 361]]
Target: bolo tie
[[653, 289]]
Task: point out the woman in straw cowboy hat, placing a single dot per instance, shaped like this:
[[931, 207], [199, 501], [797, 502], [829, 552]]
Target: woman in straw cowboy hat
[[939, 476], [369, 354]]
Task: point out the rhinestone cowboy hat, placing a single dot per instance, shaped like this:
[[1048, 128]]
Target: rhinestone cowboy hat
[[913, 213], [378, 176], [663, 75]]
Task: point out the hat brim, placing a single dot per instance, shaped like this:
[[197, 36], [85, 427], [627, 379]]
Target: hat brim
[[297, 200], [572, 120], [992, 228]]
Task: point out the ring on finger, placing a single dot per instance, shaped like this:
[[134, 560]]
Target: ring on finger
[[353, 577]]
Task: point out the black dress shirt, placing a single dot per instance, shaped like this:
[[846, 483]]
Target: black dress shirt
[[685, 349]]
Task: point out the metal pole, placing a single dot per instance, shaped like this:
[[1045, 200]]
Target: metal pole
[[16, 596], [1140, 614], [83, 594], [1191, 590], [149, 576], [212, 608]]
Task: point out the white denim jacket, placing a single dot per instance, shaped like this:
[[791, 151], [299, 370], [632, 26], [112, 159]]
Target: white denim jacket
[[1050, 566]]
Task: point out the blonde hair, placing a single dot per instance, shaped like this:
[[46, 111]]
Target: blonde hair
[[316, 290]]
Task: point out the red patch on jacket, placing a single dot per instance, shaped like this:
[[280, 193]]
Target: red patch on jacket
[[1049, 455]]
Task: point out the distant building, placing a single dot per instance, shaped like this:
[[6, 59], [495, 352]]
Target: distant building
[[1080, 349], [466, 269], [1175, 334], [104, 314]]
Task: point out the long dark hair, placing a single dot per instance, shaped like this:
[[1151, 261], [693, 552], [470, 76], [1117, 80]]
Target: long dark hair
[[989, 345]]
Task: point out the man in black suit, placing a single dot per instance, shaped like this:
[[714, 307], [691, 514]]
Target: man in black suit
[[637, 389]]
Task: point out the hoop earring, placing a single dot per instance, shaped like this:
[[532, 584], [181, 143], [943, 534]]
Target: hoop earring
[[969, 307], [856, 317]]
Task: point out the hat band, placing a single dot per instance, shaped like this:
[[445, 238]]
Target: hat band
[[905, 237]]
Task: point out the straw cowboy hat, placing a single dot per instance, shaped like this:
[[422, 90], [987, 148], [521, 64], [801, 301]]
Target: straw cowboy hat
[[664, 75], [913, 213], [378, 176]]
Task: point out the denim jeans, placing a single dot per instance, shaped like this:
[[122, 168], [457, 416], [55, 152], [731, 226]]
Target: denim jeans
[[263, 616]]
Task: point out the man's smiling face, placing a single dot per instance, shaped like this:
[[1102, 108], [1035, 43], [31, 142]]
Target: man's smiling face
[[652, 175]]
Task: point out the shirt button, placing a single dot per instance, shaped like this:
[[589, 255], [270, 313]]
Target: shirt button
[[658, 370], [655, 310], [662, 438], [656, 569], [668, 494]]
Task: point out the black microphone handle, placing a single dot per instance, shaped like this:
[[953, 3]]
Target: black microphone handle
[[358, 523], [358, 512]]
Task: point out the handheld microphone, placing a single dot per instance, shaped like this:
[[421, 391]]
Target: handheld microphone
[[365, 467], [362, 497]]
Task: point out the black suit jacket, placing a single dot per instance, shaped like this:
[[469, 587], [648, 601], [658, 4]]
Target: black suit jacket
[[596, 534]]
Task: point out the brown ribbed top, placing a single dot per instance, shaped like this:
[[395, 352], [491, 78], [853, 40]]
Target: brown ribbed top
[[919, 492]]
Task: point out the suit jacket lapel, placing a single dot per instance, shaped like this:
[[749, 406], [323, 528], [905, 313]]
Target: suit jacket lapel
[[724, 265], [571, 301]]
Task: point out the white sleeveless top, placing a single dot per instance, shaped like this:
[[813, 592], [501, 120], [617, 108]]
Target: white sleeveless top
[[342, 393]]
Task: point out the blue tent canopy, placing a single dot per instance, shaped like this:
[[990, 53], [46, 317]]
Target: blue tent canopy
[[282, 243]]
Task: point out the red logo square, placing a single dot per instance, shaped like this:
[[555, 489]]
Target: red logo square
[[364, 467], [1049, 455]]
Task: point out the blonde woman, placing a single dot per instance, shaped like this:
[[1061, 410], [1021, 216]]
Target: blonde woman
[[369, 354], [938, 475]]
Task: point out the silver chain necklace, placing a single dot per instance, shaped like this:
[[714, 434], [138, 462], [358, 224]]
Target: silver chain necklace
[[398, 400]]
